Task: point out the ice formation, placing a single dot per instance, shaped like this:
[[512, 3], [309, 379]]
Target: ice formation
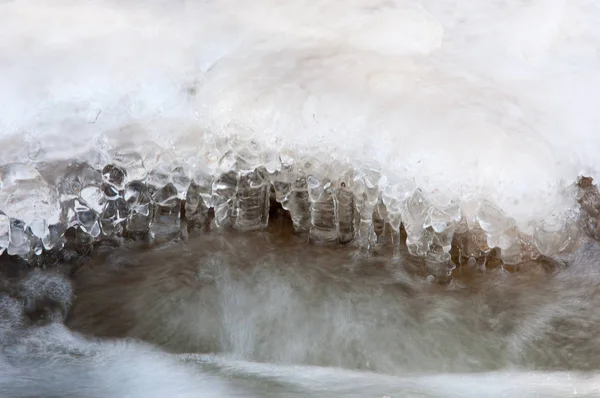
[[464, 122]]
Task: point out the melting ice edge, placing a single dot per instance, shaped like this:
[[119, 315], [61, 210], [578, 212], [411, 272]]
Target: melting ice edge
[[335, 204]]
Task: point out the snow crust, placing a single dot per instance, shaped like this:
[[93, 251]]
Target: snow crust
[[464, 99]]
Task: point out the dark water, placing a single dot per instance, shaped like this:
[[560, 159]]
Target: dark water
[[268, 315]]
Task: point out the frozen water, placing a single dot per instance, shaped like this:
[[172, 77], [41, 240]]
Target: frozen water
[[140, 205], [252, 200], [322, 210], [224, 189], [344, 198], [470, 121]]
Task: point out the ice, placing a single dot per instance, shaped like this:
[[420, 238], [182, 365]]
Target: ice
[[299, 204], [367, 187], [19, 243], [166, 211], [323, 222], [252, 200], [472, 245], [466, 123], [132, 162], [26, 195], [94, 198], [77, 177], [141, 207], [380, 217], [84, 217], [556, 234], [414, 214], [114, 181], [345, 215], [282, 186], [223, 196], [198, 198], [196, 209], [113, 217], [181, 181]]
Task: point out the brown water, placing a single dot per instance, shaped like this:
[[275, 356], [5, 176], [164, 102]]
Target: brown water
[[267, 314]]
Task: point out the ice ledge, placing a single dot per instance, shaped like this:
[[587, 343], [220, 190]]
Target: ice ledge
[[434, 108], [332, 203]]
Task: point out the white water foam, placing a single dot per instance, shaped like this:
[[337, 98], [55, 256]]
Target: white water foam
[[473, 102]]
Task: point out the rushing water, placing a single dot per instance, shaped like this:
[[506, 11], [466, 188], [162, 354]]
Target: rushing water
[[265, 315]]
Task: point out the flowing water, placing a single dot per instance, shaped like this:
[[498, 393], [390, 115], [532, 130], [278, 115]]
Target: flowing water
[[266, 315], [301, 198]]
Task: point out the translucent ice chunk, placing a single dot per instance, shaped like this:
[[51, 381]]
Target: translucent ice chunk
[[26, 196], [113, 217], [493, 221], [379, 219], [345, 213], [196, 210], [367, 188], [78, 175], [172, 172], [114, 176], [512, 253], [223, 196], [93, 197], [323, 228], [442, 219], [251, 209], [502, 232], [395, 220], [299, 205], [282, 186], [36, 245], [247, 153], [181, 180], [391, 198], [414, 214], [39, 228], [158, 177], [167, 199], [19, 243], [202, 182], [131, 161], [55, 237], [167, 207], [281, 177], [555, 234], [85, 218], [141, 207], [272, 162], [228, 161], [441, 243], [471, 244]]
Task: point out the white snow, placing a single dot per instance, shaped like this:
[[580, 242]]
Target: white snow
[[467, 99]]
